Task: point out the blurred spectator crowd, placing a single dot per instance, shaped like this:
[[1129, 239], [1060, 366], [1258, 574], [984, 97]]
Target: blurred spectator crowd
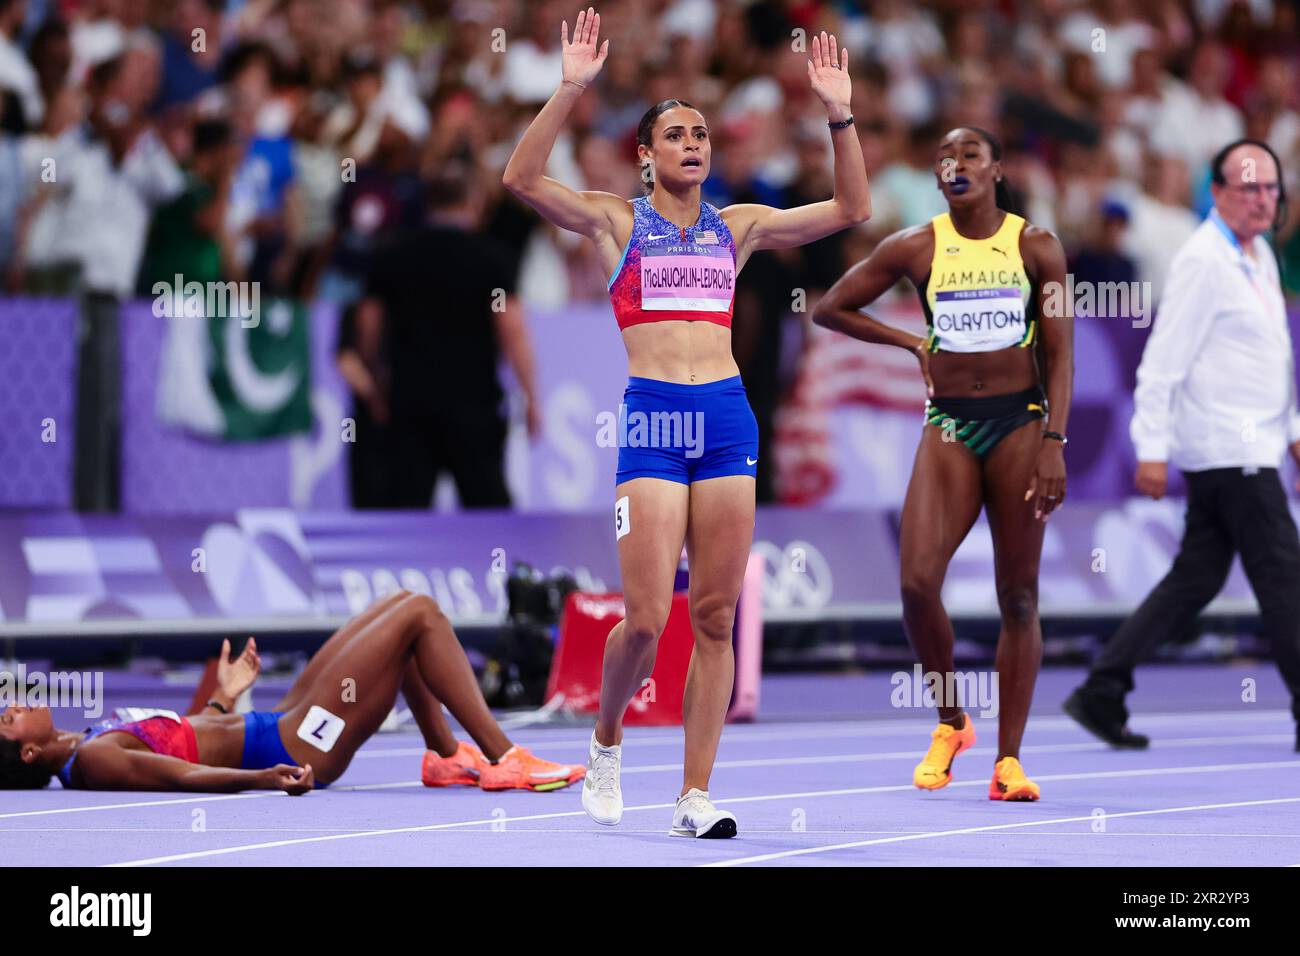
[[285, 141], [280, 140]]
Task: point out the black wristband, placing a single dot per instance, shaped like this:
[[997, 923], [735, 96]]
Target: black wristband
[[1057, 436], [215, 706], [841, 124]]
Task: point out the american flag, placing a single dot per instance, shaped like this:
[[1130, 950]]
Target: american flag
[[706, 237], [837, 370]]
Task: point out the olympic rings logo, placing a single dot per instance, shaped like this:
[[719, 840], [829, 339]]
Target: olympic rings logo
[[799, 576]]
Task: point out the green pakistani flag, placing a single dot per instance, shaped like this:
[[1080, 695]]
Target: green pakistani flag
[[239, 379]]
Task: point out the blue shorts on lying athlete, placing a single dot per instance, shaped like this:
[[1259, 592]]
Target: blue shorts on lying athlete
[[686, 433], [263, 747]]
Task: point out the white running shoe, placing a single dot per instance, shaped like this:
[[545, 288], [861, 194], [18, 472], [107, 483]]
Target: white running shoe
[[696, 816], [602, 796]]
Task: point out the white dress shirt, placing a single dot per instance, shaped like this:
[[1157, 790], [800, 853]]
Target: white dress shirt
[[1216, 386], [107, 208]]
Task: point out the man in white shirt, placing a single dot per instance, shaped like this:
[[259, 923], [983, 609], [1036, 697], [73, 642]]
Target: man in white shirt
[[115, 171], [1215, 395]]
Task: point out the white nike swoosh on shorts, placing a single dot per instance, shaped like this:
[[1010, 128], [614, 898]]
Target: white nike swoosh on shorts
[[751, 461]]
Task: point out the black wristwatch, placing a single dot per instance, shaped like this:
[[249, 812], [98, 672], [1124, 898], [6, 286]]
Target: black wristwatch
[[842, 123], [215, 706], [1057, 436]]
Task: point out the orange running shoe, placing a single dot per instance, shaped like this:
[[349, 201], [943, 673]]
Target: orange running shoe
[[518, 769], [461, 768], [1010, 782], [935, 771]]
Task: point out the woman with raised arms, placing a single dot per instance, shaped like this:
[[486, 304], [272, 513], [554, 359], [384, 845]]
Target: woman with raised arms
[[672, 262]]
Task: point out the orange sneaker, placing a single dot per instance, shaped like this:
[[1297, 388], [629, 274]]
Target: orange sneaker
[[520, 770], [461, 768], [935, 769], [1010, 782]]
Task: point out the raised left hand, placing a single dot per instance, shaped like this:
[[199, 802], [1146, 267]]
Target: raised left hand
[[235, 677], [1047, 486], [828, 71], [582, 57]]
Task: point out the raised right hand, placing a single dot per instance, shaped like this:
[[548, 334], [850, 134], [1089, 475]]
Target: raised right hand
[[581, 60], [1151, 478]]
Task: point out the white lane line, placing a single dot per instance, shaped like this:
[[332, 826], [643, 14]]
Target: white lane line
[[892, 727], [807, 851], [866, 727], [669, 767], [570, 831], [205, 799], [131, 806], [807, 794], [1087, 747], [224, 851], [1094, 747], [660, 768], [1091, 775]]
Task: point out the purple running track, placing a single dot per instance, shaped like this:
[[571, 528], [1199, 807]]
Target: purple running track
[[823, 779]]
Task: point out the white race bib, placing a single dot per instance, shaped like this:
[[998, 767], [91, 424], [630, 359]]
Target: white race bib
[[321, 729], [687, 277], [978, 320], [131, 715]]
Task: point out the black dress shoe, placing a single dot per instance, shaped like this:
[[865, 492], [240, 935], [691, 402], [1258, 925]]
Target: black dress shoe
[[1104, 720]]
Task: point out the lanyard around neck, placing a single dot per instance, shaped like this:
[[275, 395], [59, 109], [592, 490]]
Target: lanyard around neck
[[1251, 269]]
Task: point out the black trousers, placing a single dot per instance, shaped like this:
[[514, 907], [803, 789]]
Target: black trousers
[[369, 460], [1229, 512], [97, 461], [468, 441]]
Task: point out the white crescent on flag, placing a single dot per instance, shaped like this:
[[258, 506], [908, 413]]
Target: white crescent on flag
[[256, 389]]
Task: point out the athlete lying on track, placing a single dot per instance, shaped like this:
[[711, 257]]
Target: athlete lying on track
[[403, 641]]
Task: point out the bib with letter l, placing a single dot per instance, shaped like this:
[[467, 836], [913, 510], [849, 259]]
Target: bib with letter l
[[321, 729]]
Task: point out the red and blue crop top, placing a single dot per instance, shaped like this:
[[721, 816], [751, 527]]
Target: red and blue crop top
[[668, 272], [169, 735]]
